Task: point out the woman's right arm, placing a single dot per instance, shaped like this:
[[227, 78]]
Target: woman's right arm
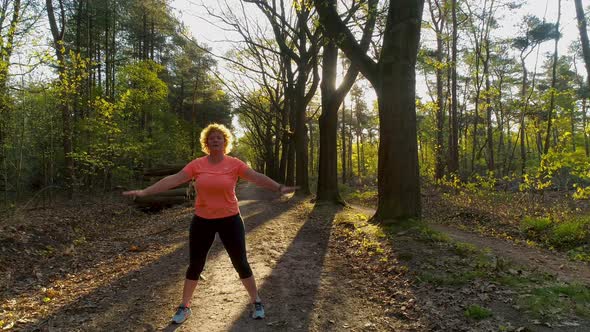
[[166, 183]]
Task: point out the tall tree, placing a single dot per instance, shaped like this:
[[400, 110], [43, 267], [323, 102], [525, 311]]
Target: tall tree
[[332, 98], [393, 77], [453, 166], [58, 31], [480, 31], [6, 48], [535, 33], [258, 60], [438, 14], [360, 113], [300, 44], [553, 81], [582, 27]]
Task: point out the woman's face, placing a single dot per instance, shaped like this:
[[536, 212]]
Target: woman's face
[[216, 142]]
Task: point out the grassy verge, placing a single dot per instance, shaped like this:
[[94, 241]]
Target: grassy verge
[[459, 265]]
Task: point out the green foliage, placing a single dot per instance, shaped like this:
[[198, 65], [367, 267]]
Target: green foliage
[[127, 86], [561, 168], [141, 87], [479, 185], [429, 234], [474, 311], [464, 249], [568, 233], [535, 225], [367, 197], [558, 299], [581, 253]]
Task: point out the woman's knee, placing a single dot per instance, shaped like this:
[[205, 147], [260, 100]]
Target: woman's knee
[[243, 269], [194, 271]]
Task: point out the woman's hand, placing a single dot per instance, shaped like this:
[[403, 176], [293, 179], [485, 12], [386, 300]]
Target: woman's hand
[[286, 190], [134, 193]]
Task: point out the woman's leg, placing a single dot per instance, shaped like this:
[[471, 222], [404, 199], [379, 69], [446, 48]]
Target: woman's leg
[[187, 291], [233, 237], [201, 236], [250, 285]]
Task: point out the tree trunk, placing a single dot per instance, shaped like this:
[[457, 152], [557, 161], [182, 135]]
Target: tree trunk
[[194, 137], [358, 154], [300, 137], [284, 136], [585, 122], [268, 153], [350, 168], [328, 122], [439, 23], [5, 54], [58, 43], [393, 79], [399, 180], [290, 180], [586, 51], [440, 119], [454, 123], [113, 52], [490, 131], [573, 128], [501, 126], [311, 148], [553, 82], [523, 111], [398, 187], [343, 140], [277, 146]]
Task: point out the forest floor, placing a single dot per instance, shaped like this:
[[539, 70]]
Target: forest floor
[[100, 265]]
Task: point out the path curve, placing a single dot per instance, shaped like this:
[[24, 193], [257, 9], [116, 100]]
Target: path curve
[[536, 258]]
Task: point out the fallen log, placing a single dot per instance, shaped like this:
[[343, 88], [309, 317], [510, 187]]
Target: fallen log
[[182, 191], [153, 179], [163, 170], [157, 202]]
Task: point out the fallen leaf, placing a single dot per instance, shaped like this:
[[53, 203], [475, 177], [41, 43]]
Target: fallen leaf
[[51, 293], [8, 326]]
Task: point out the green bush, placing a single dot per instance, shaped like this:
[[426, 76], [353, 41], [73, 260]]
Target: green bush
[[558, 299], [476, 312], [535, 224], [568, 234]]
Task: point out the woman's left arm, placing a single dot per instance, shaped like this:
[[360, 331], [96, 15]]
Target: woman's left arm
[[264, 181]]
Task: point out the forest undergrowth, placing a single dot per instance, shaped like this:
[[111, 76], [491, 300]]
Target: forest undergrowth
[[420, 278], [551, 222]]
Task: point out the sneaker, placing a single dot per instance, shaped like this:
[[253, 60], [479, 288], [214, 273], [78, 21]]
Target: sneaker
[[181, 314], [258, 310]]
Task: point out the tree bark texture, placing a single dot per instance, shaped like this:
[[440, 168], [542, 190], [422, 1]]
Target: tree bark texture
[[393, 78]]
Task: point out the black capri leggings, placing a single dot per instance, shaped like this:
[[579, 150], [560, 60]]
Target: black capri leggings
[[233, 236]]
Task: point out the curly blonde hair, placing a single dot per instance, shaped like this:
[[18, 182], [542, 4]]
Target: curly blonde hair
[[228, 137]]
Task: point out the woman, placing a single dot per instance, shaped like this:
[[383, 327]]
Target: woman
[[216, 211]]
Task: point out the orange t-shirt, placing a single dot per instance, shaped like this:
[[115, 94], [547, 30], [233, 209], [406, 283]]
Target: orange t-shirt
[[215, 185]]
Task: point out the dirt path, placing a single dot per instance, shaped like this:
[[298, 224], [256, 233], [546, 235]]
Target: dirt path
[[298, 273], [535, 258]]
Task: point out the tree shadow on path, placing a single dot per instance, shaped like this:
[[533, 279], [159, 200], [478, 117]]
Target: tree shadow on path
[[290, 291]]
